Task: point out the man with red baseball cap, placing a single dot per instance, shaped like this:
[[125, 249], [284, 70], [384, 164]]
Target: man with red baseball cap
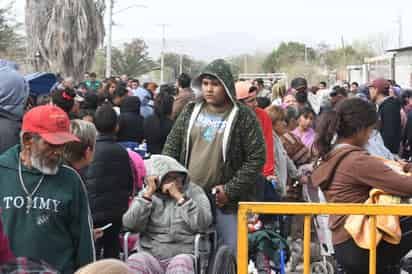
[[389, 109], [45, 209]]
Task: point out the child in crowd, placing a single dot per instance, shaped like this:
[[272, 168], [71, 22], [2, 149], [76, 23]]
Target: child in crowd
[[304, 131]]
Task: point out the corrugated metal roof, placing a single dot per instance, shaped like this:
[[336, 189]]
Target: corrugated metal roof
[[400, 49]]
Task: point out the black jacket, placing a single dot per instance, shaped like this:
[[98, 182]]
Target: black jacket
[[131, 122], [156, 130], [109, 180], [10, 126], [130, 127], [390, 123], [407, 138]]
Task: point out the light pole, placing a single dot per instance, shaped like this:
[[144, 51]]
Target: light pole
[[180, 52], [181, 64], [109, 42], [162, 57], [109, 34], [245, 64]]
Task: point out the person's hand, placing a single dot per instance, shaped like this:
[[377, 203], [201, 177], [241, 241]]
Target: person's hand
[[407, 168], [97, 233], [221, 198], [304, 180], [272, 178], [151, 186], [172, 190]]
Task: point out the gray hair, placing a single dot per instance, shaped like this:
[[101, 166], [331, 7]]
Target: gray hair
[[69, 79], [86, 132], [36, 137]]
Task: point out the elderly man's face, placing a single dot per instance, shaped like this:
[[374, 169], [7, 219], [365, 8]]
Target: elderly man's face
[[44, 156]]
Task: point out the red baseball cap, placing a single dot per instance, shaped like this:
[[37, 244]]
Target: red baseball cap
[[380, 84], [51, 123]]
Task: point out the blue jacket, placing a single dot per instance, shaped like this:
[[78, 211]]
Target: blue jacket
[[146, 102]]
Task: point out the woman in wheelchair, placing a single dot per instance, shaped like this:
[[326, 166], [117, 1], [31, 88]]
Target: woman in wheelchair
[[167, 213]]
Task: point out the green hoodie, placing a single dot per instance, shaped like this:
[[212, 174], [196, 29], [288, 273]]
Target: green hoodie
[[243, 145], [58, 228]]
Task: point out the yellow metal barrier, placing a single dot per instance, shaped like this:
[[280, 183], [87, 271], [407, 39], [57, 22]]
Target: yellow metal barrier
[[309, 209]]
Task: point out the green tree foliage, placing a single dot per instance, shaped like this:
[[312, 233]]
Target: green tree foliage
[[289, 57], [339, 58], [190, 66], [286, 54], [247, 63], [133, 59], [11, 42]]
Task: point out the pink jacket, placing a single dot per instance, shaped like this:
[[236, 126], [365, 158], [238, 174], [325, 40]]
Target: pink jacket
[[138, 169]]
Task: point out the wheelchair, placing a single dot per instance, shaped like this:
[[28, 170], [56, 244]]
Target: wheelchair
[[209, 256]]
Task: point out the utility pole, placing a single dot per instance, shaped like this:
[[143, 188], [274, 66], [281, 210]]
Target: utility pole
[[306, 55], [245, 64], [400, 31], [109, 41], [344, 51], [162, 57], [109, 34], [181, 63]]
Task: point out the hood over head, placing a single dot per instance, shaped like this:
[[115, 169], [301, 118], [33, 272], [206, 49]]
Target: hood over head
[[323, 174], [221, 70], [161, 165], [14, 91], [130, 104]]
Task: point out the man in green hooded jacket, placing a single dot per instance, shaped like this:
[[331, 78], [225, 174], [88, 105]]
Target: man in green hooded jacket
[[221, 143]]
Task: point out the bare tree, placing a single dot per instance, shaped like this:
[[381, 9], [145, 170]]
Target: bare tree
[[63, 35]]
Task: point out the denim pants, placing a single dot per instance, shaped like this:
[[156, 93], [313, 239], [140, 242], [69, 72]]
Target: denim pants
[[226, 227]]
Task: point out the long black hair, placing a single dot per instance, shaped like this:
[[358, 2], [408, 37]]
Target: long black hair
[[350, 116], [163, 104]]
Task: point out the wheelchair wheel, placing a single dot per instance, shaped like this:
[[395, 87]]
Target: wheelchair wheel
[[329, 267], [222, 262], [318, 268]]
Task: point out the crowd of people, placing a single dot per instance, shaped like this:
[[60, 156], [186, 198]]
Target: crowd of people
[[87, 160]]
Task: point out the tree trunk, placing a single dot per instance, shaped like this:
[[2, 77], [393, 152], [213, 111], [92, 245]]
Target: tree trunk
[[63, 35]]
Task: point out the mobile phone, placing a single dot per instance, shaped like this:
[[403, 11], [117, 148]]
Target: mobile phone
[[106, 226]]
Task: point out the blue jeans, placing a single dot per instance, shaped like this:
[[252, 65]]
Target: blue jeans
[[226, 227]]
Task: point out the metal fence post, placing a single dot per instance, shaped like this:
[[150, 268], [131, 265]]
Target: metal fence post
[[306, 245], [242, 240], [372, 250]]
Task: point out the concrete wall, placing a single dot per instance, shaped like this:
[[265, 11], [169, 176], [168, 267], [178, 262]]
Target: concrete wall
[[403, 68]]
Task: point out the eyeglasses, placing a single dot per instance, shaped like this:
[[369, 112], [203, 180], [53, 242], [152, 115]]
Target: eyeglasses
[[249, 100]]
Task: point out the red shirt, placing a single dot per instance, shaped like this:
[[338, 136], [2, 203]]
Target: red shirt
[[266, 124], [5, 252]]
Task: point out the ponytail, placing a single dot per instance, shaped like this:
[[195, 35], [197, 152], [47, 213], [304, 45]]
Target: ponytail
[[350, 116], [326, 131]]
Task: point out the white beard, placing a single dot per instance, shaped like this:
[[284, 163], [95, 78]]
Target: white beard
[[38, 163]]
